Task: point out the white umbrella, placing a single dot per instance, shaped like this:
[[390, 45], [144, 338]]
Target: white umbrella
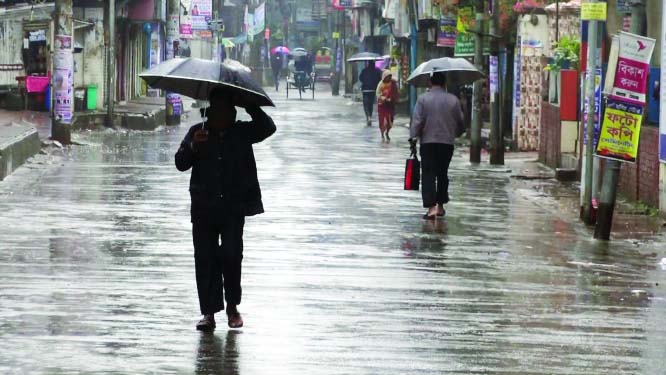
[[364, 56], [458, 72]]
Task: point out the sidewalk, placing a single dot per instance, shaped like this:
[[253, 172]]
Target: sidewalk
[[21, 131]]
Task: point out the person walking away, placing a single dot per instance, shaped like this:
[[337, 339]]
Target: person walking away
[[387, 97], [224, 189], [436, 122], [369, 77], [276, 66]]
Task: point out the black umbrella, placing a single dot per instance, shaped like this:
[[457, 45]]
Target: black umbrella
[[196, 78], [364, 56]]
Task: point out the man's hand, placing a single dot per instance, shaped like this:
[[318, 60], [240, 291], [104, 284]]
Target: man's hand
[[412, 144], [200, 137]]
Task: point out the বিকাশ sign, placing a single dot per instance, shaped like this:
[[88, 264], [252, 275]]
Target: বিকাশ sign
[[620, 131], [633, 66]]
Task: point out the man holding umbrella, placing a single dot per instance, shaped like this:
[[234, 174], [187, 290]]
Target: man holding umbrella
[[437, 121], [224, 189], [370, 77]]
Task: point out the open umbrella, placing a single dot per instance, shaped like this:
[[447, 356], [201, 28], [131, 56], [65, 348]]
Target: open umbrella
[[364, 56], [196, 78], [279, 49], [458, 72], [299, 52]]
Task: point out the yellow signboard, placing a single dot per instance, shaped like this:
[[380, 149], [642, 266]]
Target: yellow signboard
[[620, 131], [593, 11], [336, 35]]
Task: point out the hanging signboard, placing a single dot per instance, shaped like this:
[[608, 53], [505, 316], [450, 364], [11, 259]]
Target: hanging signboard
[[465, 41], [446, 35], [620, 131], [185, 27], [259, 18], [593, 11], [342, 4], [623, 6], [633, 66]]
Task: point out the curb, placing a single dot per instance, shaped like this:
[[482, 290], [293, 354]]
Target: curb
[[18, 143]]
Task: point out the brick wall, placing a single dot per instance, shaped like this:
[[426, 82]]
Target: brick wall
[[550, 135], [640, 181]]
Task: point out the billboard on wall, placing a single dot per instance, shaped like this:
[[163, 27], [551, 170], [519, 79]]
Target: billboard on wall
[[201, 12]]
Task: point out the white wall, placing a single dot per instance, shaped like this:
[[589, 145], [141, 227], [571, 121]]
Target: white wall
[[11, 44], [90, 62]]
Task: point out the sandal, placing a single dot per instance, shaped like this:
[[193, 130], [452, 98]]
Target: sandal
[[206, 324], [428, 217]]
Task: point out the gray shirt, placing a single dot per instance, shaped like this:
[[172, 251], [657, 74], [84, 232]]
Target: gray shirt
[[436, 117]]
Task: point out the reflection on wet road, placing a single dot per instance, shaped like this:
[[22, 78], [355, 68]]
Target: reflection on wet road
[[341, 276]]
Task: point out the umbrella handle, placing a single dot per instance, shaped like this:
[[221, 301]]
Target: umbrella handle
[[203, 123]]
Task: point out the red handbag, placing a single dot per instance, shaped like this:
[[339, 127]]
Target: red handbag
[[412, 172]]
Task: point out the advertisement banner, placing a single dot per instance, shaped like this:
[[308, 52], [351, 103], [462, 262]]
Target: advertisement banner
[[201, 14], [633, 67], [342, 4], [446, 35], [620, 131], [493, 76], [465, 41], [63, 94], [185, 27], [662, 94], [597, 107], [259, 19]]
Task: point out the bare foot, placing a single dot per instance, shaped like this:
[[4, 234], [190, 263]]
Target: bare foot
[[235, 319]]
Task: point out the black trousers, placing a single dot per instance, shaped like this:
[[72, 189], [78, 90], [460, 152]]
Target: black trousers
[[368, 102], [435, 160], [218, 253], [276, 78]]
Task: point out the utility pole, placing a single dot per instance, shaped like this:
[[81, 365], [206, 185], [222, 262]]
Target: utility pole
[[336, 60], [612, 170], [173, 101], [587, 211], [477, 121], [496, 136], [63, 66], [413, 40], [110, 61]]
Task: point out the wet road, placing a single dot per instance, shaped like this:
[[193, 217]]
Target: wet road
[[341, 276]]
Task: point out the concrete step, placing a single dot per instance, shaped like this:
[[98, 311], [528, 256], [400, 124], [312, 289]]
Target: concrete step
[[18, 143]]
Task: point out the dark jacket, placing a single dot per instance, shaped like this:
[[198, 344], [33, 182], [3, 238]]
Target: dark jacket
[[370, 77], [224, 172]]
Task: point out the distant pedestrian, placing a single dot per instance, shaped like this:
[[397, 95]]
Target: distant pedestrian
[[370, 77], [276, 66], [387, 97], [437, 121], [224, 190]]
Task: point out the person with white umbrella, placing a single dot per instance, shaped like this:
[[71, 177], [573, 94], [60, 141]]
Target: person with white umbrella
[[437, 120]]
